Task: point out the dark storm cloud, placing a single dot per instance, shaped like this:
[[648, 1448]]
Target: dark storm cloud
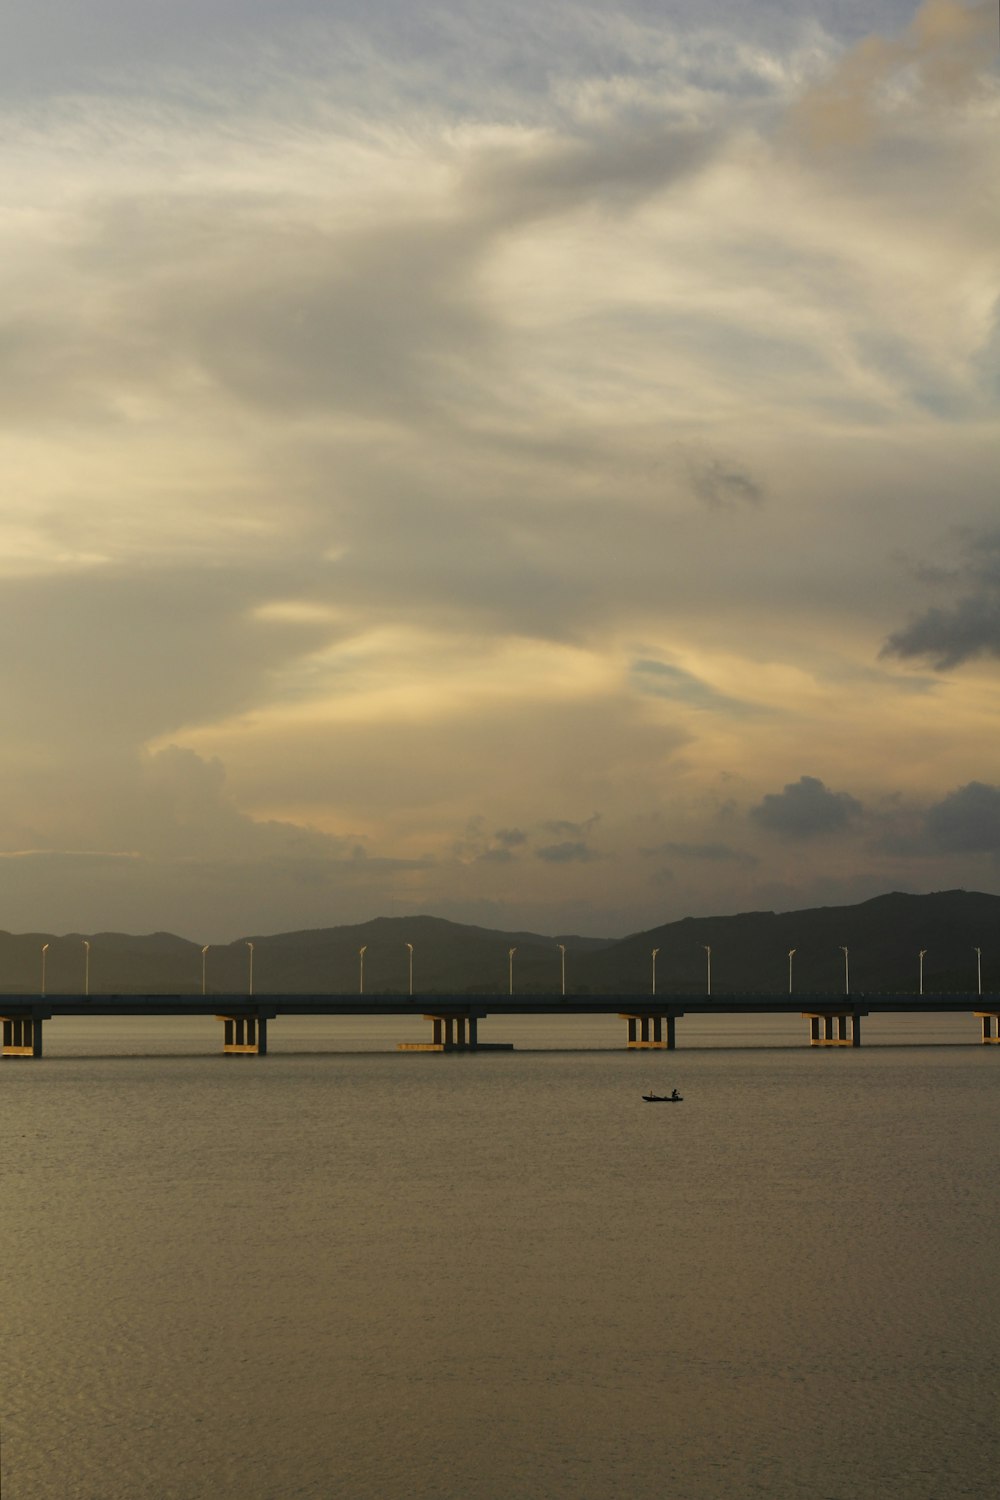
[[948, 635], [804, 809], [966, 821]]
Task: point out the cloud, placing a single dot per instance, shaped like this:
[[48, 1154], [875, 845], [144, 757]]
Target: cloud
[[614, 166], [718, 853], [374, 379], [950, 635], [804, 809], [497, 849], [721, 485], [663, 680], [575, 830], [938, 58], [569, 851], [496, 856], [966, 821], [126, 653]]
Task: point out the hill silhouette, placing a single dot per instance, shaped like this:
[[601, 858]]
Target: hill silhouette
[[749, 952]]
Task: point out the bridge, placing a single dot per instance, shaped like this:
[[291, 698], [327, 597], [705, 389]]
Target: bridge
[[650, 1020]]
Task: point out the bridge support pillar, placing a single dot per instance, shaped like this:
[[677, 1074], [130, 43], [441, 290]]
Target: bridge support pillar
[[453, 1032], [244, 1034], [991, 1026], [22, 1036], [833, 1028], [645, 1031]]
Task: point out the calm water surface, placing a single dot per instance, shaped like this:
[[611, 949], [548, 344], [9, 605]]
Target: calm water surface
[[363, 1274]]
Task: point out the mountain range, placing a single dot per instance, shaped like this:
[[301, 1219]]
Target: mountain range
[[749, 952]]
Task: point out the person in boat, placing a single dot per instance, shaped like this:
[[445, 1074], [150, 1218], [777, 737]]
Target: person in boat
[[675, 1095]]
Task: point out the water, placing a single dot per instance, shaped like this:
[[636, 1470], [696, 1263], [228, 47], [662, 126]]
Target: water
[[366, 1274]]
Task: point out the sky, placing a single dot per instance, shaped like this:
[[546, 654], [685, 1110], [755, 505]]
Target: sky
[[534, 464]]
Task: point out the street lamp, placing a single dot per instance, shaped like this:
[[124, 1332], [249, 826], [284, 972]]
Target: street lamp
[[250, 957], [920, 956], [45, 949], [510, 970], [410, 961], [791, 955], [847, 972], [708, 969], [979, 970], [203, 953], [361, 969], [86, 967], [562, 962], [655, 952]]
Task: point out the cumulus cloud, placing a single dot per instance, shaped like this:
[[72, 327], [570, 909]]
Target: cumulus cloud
[[948, 635], [966, 821], [804, 809]]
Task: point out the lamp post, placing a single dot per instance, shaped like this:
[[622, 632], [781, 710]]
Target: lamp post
[[86, 967], [791, 955], [45, 949], [204, 952], [920, 956], [562, 965], [847, 972], [361, 969], [655, 952], [510, 970], [979, 970], [708, 969], [409, 947], [250, 957]]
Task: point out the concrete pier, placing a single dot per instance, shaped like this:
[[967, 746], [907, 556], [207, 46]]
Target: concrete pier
[[645, 1031], [244, 1034], [454, 1032], [833, 1028], [22, 1036], [991, 1026]]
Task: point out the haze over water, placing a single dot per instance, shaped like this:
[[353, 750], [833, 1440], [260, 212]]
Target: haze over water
[[365, 1274]]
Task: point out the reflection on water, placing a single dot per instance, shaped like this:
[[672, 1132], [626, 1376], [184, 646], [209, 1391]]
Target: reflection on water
[[342, 1271]]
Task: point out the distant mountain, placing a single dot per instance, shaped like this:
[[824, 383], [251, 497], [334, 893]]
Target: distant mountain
[[447, 957], [883, 936], [749, 952]]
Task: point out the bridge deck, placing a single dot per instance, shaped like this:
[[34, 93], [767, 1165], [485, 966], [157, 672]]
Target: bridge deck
[[47, 1006]]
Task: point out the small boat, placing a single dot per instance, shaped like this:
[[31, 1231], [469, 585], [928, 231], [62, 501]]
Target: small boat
[[663, 1098]]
